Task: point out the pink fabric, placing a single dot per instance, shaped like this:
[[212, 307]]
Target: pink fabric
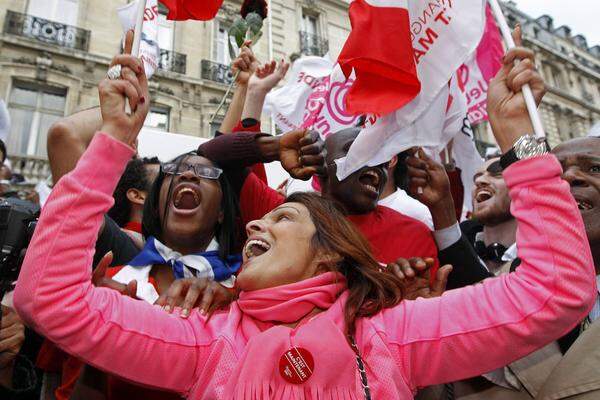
[[464, 333], [289, 303], [490, 51]]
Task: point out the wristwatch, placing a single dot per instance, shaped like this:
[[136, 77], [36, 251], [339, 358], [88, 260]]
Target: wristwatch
[[526, 146]]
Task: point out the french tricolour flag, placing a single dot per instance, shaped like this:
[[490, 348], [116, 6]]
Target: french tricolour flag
[[379, 50], [394, 45]]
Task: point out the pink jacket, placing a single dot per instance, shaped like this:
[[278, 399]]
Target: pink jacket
[[464, 333]]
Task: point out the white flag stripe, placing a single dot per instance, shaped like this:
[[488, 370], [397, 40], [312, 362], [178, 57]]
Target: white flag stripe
[[313, 98], [388, 3], [444, 33], [149, 51]]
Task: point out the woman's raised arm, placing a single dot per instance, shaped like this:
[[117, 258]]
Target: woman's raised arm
[[54, 293], [479, 328], [476, 329]]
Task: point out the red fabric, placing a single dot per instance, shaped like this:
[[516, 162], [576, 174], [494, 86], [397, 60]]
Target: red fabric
[[392, 235], [457, 190], [379, 49], [52, 359], [181, 10], [133, 226], [258, 169]]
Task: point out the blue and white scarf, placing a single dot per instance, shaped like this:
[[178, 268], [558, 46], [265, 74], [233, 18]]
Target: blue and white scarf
[[206, 264]]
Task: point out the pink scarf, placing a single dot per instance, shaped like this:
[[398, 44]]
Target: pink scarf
[[289, 303], [321, 338]]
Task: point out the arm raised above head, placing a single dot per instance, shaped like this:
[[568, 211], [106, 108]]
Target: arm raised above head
[[55, 296], [69, 137], [473, 330]]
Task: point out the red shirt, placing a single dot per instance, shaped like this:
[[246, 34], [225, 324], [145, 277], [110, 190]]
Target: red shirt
[[258, 169], [392, 235]]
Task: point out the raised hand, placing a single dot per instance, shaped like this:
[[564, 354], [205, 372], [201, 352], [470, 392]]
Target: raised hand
[[12, 336], [430, 176], [505, 102], [301, 153], [416, 280], [190, 293], [99, 279], [428, 182], [268, 76], [245, 64], [132, 87]]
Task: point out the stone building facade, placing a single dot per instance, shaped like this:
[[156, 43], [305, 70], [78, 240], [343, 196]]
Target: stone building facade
[[53, 53], [571, 68]]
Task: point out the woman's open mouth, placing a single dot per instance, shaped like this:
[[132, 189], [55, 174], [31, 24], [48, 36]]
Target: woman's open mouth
[[256, 248], [186, 198]]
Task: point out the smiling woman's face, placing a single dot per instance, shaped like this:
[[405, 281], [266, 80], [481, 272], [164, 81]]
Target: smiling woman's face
[[194, 207], [279, 249]]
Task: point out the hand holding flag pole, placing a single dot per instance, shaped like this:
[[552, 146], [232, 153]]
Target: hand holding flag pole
[[137, 37], [139, 21], [534, 115]]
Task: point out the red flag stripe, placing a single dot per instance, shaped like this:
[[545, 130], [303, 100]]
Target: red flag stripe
[[379, 49], [181, 10]]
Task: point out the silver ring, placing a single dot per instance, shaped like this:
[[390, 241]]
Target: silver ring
[[114, 72]]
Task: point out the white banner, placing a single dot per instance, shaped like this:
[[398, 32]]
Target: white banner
[[312, 98], [149, 50], [444, 33]]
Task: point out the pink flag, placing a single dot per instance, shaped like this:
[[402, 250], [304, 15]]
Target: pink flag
[[475, 74]]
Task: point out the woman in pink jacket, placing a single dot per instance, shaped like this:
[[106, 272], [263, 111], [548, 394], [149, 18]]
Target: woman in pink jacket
[[315, 318]]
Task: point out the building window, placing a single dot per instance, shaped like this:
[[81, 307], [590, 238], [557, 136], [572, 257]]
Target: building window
[[158, 118], [221, 47], [554, 76], [214, 127], [311, 42], [310, 24], [166, 29], [63, 11], [33, 109]]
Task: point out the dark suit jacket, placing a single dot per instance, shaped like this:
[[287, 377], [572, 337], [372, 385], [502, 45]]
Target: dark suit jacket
[[468, 269]]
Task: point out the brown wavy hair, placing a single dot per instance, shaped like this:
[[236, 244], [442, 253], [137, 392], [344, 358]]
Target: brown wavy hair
[[371, 290]]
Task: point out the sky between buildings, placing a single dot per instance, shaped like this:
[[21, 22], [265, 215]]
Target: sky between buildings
[[581, 15]]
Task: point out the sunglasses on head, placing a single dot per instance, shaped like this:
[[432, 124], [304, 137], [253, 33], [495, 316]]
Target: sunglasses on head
[[202, 171]]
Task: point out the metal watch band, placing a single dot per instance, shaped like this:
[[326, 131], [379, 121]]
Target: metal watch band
[[526, 147]]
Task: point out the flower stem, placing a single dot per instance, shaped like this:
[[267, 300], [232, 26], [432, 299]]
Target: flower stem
[[212, 119]]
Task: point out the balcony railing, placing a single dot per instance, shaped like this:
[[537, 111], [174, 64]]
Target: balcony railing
[[216, 72], [313, 45], [46, 31], [588, 97], [34, 169], [172, 61]]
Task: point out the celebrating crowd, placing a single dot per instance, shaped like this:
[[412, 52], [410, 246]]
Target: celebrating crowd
[[194, 278]]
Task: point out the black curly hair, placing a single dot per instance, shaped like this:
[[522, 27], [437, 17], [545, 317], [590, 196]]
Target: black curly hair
[[135, 176]]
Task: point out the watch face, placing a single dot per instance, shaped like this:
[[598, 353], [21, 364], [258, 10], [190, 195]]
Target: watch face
[[529, 146]]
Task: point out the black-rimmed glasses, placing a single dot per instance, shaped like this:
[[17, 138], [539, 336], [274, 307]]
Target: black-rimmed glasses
[[202, 171]]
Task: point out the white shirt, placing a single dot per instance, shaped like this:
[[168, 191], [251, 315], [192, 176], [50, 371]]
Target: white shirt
[[595, 313], [401, 202], [145, 289]]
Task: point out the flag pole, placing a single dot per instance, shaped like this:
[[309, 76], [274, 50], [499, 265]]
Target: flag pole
[[139, 21], [137, 37], [534, 115]]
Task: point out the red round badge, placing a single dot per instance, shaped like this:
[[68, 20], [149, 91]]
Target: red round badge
[[296, 365]]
